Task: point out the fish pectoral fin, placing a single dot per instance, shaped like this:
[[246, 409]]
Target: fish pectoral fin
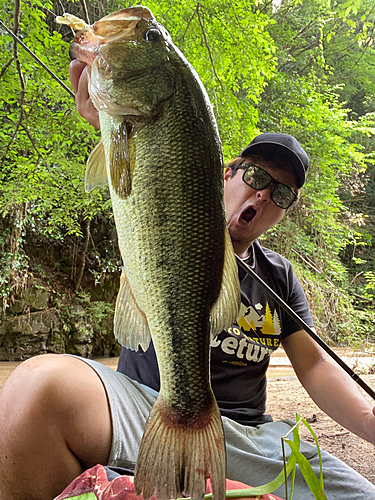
[[225, 310], [176, 459], [119, 164], [96, 172], [130, 324]]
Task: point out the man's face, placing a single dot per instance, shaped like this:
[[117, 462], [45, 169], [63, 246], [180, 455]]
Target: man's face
[[251, 212]]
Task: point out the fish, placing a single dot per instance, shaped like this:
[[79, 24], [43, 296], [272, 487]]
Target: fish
[[160, 153]]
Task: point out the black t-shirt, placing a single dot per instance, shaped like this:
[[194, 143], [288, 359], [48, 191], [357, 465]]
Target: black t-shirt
[[241, 355]]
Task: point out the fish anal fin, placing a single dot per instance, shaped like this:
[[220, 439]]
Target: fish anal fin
[[96, 172], [176, 460], [119, 164], [225, 310], [130, 323]]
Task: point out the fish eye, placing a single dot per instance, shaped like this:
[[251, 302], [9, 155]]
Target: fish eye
[[153, 35]]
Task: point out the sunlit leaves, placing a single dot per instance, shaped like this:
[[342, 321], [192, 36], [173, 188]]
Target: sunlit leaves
[[230, 48], [43, 164], [303, 67]]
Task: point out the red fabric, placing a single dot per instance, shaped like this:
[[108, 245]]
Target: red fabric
[[122, 487]]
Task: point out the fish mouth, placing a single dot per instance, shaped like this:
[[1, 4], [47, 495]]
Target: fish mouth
[[85, 46], [248, 214], [114, 27], [121, 24]]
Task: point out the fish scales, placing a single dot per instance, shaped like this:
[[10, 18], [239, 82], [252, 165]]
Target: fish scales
[[187, 243], [193, 240], [161, 156]]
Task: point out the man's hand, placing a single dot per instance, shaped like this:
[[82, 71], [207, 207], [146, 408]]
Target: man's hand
[[79, 80]]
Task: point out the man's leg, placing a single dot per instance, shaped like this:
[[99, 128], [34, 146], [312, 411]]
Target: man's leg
[[254, 457], [54, 423]]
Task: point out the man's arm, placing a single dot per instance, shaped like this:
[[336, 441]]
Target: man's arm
[[78, 73], [332, 389]]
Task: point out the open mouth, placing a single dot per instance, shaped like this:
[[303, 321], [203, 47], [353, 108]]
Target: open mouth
[[249, 214]]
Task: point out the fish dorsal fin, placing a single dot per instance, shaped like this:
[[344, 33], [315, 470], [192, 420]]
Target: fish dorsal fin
[[225, 310], [119, 164], [130, 324], [96, 172]]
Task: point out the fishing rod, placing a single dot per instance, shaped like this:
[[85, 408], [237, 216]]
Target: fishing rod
[[15, 37], [240, 262], [305, 327]]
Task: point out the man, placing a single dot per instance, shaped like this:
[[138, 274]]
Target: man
[[60, 414]]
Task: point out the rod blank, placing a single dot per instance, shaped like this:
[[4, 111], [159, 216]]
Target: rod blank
[[38, 60]]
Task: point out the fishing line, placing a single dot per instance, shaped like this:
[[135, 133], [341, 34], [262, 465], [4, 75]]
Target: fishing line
[[240, 262], [305, 327], [38, 60]]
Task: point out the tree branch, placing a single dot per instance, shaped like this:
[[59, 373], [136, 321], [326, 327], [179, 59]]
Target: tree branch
[[19, 71], [40, 157], [182, 39], [85, 11], [308, 47], [207, 46], [5, 67]]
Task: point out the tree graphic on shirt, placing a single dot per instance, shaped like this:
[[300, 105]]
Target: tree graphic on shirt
[[268, 327], [276, 322], [248, 319]]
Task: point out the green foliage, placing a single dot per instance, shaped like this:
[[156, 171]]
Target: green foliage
[[230, 48], [303, 67], [44, 143], [316, 486], [97, 311], [331, 39], [370, 284], [296, 457]]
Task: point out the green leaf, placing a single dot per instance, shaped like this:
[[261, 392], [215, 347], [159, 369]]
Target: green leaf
[[318, 448], [308, 473], [264, 489]]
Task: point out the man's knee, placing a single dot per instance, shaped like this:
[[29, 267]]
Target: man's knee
[[59, 394], [38, 426], [30, 385]]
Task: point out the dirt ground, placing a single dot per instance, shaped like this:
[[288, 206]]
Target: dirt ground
[[286, 397]]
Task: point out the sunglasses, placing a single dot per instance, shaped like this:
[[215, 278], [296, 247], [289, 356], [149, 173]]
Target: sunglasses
[[259, 179]]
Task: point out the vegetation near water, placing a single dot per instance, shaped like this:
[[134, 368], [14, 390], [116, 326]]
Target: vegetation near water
[[303, 67]]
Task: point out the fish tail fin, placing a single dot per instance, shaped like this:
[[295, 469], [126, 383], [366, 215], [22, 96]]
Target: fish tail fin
[[176, 460]]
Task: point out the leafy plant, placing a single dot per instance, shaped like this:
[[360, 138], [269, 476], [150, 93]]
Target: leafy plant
[[296, 457]]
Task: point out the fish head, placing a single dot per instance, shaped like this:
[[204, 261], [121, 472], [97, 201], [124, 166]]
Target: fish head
[[129, 57]]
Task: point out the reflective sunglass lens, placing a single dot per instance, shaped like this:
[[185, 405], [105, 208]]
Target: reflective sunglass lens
[[283, 196], [256, 178]]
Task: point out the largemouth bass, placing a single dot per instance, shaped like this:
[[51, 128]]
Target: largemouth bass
[[161, 156]]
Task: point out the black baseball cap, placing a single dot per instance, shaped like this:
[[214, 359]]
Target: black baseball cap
[[284, 147]]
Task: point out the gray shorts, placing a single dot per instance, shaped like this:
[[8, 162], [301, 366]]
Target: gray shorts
[[254, 454]]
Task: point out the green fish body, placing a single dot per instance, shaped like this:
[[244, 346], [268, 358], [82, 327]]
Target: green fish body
[[161, 156]]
